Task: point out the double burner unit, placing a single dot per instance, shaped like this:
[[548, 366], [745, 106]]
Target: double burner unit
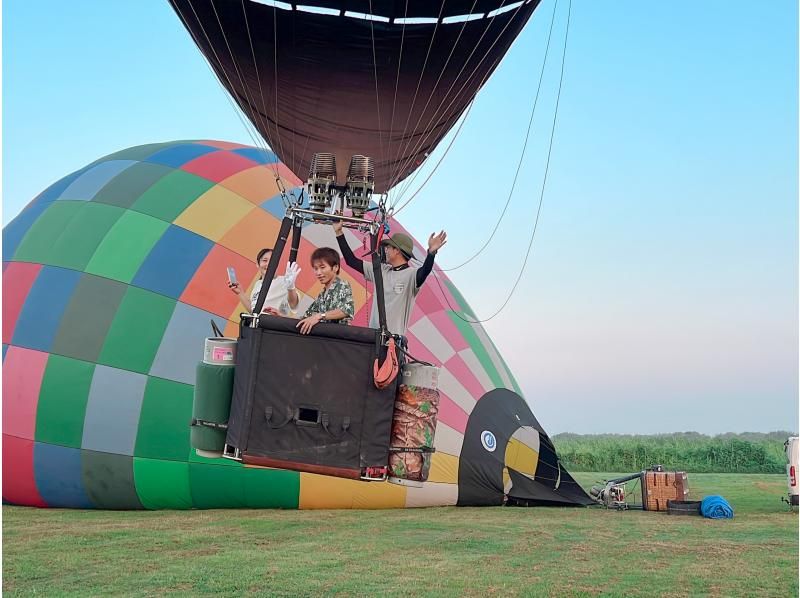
[[323, 192]]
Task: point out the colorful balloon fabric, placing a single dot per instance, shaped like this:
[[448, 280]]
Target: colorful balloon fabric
[[111, 278]]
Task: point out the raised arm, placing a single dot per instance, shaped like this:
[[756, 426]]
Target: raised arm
[[435, 243], [349, 257], [236, 289], [425, 269]]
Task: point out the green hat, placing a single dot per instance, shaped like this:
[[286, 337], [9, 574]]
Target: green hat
[[402, 242]]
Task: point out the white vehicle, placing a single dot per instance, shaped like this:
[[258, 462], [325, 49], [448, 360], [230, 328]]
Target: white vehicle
[[792, 447]]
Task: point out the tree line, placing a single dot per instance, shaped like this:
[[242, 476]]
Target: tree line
[[749, 452]]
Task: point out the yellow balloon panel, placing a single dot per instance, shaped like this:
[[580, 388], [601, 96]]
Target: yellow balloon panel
[[214, 213], [520, 457], [325, 492], [444, 468]]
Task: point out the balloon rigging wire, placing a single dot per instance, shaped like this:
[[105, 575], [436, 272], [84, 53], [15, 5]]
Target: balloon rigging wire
[[237, 109], [275, 66], [524, 149], [441, 73], [258, 76], [541, 195], [248, 100], [463, 118], [265, 116], [433, 87], [251, 101], [396, 84], [423, 137], [426, 136], [375, 73], [264, 119], [394, 173]]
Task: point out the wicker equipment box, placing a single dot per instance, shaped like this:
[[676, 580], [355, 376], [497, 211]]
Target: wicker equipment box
[[660, 486]]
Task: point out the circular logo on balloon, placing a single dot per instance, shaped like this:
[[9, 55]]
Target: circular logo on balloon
[[488, 441]]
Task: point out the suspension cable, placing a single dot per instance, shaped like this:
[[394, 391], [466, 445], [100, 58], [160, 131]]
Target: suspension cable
[[248, 99], [425, 137], [393, 172], [409, 155], [463, 118], [524, 149], [275, 66], [408, 183], [396, 83], [265, 118], [237, 109], [405, 143], [541, 195], [375, 73]]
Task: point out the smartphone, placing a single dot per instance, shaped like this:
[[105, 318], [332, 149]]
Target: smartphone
[[232, 276]]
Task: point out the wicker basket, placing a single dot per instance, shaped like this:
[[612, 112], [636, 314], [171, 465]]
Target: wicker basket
[[658, 487]]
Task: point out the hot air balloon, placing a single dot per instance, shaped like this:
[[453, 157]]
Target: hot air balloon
[[382, 78], [111, 278]]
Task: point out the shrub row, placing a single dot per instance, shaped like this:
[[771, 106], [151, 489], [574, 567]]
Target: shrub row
[[688, 451]]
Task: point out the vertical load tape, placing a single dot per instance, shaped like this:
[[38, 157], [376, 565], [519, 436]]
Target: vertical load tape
[[414, 425], [213, 390]]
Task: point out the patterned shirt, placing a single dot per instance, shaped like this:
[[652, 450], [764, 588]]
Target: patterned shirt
[[339, 295]]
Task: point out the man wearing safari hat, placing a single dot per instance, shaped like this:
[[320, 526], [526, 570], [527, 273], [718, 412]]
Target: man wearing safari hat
[[401, 282]]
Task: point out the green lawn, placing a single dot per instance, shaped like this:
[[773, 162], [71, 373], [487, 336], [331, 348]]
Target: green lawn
[[418, 552]]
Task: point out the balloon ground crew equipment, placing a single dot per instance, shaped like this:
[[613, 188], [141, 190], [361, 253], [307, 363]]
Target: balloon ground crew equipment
[[683, 507], [658, 487], [213, 390], [612, 494]]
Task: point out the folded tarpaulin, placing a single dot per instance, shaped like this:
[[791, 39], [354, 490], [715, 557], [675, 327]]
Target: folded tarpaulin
[[716, 507]]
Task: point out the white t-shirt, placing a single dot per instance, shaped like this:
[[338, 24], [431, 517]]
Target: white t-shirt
[[276, 295], [399, 292]]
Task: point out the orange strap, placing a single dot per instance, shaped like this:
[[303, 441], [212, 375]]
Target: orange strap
[[386, 373]]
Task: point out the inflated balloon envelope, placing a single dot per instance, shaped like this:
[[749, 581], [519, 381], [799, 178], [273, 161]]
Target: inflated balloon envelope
[[380, 78], [97, 396]]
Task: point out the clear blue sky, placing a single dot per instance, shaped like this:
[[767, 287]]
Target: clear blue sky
[[662, 291]]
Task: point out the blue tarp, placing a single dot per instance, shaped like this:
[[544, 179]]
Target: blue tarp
[[716, 507]]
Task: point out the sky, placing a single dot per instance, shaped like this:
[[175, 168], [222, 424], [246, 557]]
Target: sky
[[661, 290]]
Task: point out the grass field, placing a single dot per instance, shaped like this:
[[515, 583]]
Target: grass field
[[419, 552]]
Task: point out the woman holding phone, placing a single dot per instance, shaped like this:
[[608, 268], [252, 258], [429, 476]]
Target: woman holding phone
[[282, 297]]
